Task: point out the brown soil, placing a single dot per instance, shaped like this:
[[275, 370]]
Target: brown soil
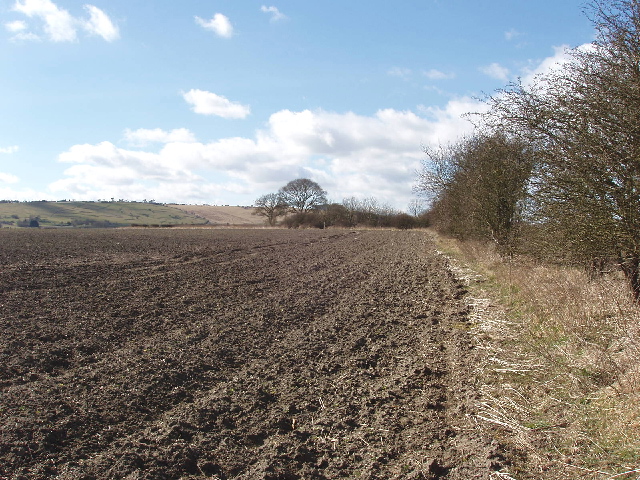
[[233, 354], [224, 215]]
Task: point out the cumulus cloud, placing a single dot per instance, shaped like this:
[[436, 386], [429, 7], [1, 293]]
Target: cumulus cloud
[[554, 62], [207, 103], [219, 24], [275, 13], [434, 74], [16, 26], [497, 71], [349, 154], [100, 24], [144, 136], [59, 24], [103, 170], [8, 178], [23, 194], [9, 150]]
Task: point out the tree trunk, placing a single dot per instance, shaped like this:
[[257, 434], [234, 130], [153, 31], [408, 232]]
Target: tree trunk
[[631, 268]]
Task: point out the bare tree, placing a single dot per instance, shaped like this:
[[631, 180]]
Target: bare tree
[[303, 195], [584, 120], [478, 186], [415, 207], [352, 207], [271, 206]]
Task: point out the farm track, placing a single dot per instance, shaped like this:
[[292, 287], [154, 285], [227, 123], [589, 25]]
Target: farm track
[[233, 354]]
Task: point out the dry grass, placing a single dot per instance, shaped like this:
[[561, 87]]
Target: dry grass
[[561, 381]]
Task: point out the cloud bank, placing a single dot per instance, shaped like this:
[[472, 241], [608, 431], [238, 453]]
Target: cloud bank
[[349, 154]]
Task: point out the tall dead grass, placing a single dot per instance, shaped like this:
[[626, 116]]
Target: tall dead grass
[[561, 380]]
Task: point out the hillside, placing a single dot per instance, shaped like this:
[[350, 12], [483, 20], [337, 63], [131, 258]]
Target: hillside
[[97, 214], [223, 215]]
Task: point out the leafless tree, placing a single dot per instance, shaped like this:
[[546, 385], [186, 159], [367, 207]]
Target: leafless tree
[[303, 195], [271, 206], [584, 119], [415, 207], [478, 186]]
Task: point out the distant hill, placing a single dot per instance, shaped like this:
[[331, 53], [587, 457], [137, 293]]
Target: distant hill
[[224, 215], [94, 214]]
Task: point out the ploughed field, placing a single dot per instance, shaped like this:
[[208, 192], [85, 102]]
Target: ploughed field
[[233, 354]]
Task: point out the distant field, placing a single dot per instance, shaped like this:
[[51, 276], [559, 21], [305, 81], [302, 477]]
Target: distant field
[[95, 214], [223, 215]]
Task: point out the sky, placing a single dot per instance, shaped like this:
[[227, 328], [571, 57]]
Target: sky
[[221, 101]]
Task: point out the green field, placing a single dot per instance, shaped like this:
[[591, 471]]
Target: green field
[[93, 214]]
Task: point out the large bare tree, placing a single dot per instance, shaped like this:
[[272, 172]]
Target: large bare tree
[[303, 195], [271, 206]]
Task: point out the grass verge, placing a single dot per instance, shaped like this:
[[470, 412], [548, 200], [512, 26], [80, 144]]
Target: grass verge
[[561, 379]]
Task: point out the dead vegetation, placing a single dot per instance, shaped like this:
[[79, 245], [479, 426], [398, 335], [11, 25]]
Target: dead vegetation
[[561, 379]]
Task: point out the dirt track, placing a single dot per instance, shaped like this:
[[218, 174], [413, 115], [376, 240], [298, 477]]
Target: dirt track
[[253, 354]]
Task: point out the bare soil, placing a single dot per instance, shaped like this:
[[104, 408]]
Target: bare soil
[[234, 354]]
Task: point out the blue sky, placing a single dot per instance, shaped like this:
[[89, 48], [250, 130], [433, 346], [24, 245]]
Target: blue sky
[[219, 102]]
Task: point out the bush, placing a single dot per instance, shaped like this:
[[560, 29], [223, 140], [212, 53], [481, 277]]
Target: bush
[[33, 222], [403, 221], [305, 220]]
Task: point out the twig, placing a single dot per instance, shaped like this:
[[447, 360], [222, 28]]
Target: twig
[[498, 422], [586, 469], [635, 470]]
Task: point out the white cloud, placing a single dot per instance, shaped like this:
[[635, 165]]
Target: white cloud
[[100, 24], [554, 62], [16, 26], [497, 71], [8, 178], [207, 103], [275, 13], [434, 74], [349, 154], [26, 37], [23, 194], [9, 150], [399, 72], [219, 24], [512, 34], [144, 136], [104, 171], [59, 24]]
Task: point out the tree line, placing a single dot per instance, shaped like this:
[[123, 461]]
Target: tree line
[[553, 167], [303, 203]]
